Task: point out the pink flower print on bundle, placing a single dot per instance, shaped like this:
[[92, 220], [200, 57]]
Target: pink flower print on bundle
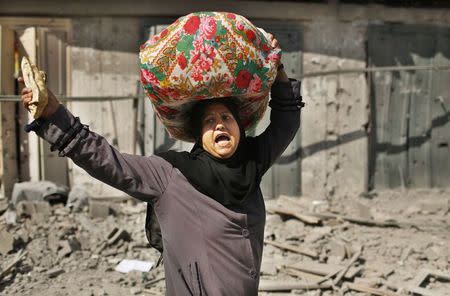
[[196, 74], [191, 26], [148, 77], [239, 26], [205, 62], [274, 57], [255, 84], [208, 27], [182, 62], [201, 51]]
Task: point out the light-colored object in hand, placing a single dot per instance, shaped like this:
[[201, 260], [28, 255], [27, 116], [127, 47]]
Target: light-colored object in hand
[[35, 80]]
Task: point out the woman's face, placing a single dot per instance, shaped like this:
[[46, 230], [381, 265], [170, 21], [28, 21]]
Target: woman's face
[[220, 131]]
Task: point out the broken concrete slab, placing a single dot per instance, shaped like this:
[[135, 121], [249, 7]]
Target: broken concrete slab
[[317, 233], [36, 209], [6, 242], [68, 247], [99, 209], [78, 198], [432, 206], [37, 191]]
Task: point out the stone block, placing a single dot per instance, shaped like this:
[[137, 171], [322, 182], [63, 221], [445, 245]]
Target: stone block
[[6, 242], [99, 209]]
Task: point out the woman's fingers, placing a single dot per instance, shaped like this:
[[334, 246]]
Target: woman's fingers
[[27, 96], [20, 79], [273, 40], [26, 90]]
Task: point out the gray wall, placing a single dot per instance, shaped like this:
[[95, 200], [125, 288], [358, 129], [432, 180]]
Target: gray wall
[[335, 123]]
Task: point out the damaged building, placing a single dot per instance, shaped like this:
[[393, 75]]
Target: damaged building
[[373, 145]]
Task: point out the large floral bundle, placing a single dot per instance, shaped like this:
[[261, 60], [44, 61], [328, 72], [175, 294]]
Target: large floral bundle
[[207, 55]]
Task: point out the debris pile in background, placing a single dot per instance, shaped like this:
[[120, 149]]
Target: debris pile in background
[[390, 243]]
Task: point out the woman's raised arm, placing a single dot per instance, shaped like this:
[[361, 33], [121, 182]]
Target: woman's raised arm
[[286, 104], [141, 177]]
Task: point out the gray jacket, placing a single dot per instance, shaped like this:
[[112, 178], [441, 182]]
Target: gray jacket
[[208, 249]]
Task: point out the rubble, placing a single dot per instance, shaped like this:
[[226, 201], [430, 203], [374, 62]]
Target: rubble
[[38, 191], [72, 246], [6, 242], [78, 198], [99, 209]]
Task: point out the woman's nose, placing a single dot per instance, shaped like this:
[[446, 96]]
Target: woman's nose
[[220, 126]]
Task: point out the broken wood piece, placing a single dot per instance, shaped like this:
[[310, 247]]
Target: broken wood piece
[[292, 248], [341, 274], [10, 267], [154, 281], [426, 273], [323, 269], [368, 290], [366, 222], [308, 219], [303, 275], [422, 291], [279, 286]]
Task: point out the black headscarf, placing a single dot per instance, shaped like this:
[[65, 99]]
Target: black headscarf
[[229, 181]]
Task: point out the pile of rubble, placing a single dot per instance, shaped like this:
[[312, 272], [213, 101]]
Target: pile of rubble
[[56, 242], [394, 244]]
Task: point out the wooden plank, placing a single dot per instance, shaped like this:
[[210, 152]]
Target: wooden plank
[[27, 46], [8, 148], [368, 290], [52, 60], [422, 46], [440, 114], [284, 178], [293, 213], [378, 51], [295, 249], [274, 286]]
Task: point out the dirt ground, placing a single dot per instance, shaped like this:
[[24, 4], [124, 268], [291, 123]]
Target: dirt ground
[[70, 253]]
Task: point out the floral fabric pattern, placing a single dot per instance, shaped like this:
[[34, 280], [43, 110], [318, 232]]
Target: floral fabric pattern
[[206, 55]]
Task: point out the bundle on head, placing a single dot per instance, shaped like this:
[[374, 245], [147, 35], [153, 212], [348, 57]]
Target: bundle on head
[[207, 55]]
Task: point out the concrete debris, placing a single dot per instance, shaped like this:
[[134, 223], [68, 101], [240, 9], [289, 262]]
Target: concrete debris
[[10, 217], [99, 209], [38, 191], [39, 211], [299, 258], [69, 246], [78, 198], [6, 242], [3, 206]]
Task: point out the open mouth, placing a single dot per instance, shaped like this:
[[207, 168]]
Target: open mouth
[[222, 138]]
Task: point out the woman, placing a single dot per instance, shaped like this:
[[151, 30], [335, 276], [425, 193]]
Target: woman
[[208, 202]]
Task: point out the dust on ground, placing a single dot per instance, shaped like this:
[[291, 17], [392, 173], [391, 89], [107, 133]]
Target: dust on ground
[[396, 242]]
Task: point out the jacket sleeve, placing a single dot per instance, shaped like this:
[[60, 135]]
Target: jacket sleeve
[[141, 177], [286, 103]]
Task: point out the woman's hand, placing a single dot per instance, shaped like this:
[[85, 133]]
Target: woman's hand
[[27, 96], [281, 74]]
